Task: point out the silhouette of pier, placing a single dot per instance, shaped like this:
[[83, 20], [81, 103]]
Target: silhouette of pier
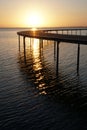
[[54, 34]]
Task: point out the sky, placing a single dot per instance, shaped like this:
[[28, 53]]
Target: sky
[[43, 13]]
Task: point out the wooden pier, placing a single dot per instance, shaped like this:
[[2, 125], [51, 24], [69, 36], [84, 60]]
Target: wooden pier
[[53, 34]]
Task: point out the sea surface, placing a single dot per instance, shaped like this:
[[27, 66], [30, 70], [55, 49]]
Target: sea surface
[[37, 93]]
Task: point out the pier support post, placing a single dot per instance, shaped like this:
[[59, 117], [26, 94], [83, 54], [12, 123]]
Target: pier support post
[[62, 31], [54, 50], [57, 60], [67, 32], [57, 32], [71, 32], [24, 49], [78, 58], [19, 41], [41, 43]]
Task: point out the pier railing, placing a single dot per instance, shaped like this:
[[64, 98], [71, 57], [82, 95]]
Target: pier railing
[[68, 31]]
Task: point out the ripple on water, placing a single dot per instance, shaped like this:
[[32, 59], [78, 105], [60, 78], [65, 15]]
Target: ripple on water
[[33, 95]]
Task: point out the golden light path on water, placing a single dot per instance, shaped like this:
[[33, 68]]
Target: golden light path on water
[[37, 66]]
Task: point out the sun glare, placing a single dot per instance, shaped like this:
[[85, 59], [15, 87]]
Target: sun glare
[[34, 20]]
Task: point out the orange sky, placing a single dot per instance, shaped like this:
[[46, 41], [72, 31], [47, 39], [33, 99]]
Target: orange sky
[[43, 13]]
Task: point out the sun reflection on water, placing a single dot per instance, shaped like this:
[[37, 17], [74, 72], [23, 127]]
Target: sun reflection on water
[[37, 66], [36, 55]]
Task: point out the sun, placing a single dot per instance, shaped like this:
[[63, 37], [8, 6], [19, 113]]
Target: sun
[[34, 20]]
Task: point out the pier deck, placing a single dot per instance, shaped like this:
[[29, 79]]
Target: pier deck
[[54, 36]]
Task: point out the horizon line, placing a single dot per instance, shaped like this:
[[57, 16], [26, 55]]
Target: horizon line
[[44, 27]]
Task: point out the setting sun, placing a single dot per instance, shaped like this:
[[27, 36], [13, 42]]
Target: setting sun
[[34, 20]]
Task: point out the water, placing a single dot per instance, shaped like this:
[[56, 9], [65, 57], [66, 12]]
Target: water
[[32, 94]]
